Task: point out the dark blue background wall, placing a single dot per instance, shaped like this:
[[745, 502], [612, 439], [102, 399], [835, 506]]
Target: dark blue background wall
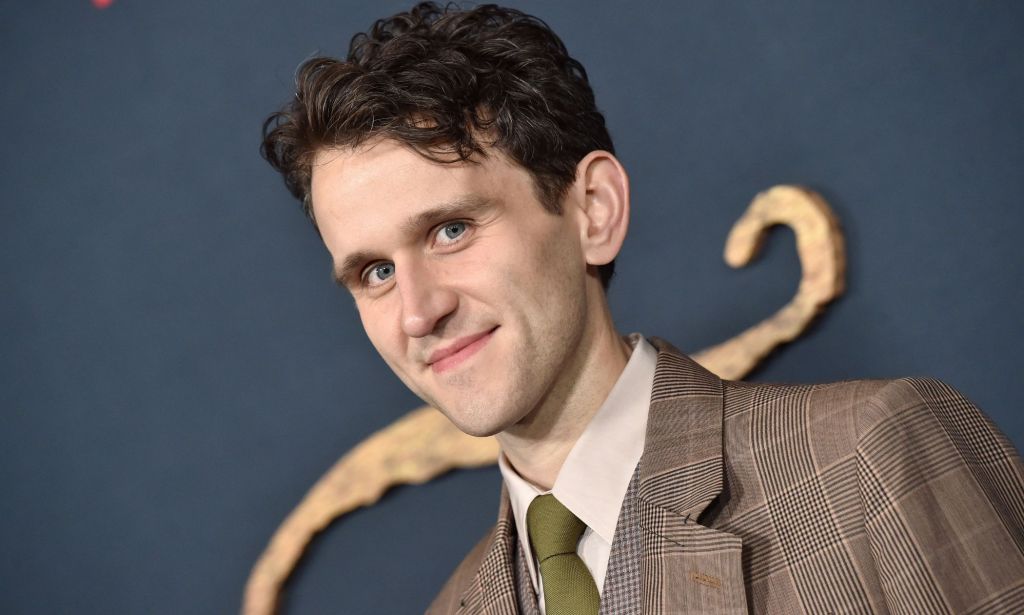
[[176, 368]]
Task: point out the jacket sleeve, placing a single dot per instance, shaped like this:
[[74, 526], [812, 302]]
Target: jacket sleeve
[[943, 496]]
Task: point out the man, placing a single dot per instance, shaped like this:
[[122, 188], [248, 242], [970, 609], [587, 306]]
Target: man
[[466, 188]]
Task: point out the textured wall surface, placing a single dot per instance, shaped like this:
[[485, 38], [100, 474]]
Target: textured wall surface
[[176, 368]]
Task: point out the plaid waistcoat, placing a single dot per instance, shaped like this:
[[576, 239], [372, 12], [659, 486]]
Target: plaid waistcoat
[[855, 497]]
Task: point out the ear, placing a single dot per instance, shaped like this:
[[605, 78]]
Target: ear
[[602, 195]]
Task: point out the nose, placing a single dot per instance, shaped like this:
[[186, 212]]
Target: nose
[[426, 301]]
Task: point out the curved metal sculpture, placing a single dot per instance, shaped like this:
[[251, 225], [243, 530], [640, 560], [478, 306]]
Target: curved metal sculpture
[[424, 444]]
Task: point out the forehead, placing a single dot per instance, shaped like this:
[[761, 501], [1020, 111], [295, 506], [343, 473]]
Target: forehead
[[385, 179], [367, 200]]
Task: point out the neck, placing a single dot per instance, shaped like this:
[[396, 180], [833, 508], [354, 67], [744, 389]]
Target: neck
[[538, 445]]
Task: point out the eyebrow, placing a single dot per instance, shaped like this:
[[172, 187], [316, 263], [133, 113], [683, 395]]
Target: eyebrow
[[462, 207]]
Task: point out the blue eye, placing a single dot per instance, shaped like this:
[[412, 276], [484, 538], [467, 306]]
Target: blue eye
[[450, 233], [379, 273]]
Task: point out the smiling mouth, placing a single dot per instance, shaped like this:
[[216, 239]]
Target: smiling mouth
[[463, 348]]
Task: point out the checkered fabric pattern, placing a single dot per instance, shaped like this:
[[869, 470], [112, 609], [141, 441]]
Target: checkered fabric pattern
[[526, 594], [621, 593], [856, 497]]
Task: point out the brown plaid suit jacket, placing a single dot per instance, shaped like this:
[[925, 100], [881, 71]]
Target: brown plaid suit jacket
[[855, 497]]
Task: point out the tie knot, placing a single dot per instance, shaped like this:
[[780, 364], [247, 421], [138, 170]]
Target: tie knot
[[553, 529]]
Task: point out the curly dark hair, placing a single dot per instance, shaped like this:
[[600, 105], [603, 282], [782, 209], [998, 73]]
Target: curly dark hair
[[448, 82]]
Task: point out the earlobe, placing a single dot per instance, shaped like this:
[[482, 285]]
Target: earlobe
[[604, 202]]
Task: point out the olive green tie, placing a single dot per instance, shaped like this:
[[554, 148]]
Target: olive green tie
[[554, 531]]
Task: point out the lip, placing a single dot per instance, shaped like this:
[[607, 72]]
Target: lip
[[461, 349]]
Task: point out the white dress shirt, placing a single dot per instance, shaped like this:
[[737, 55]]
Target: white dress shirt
[[593, 480]]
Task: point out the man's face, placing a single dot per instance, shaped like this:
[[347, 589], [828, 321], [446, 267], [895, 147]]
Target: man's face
[[471, 291]]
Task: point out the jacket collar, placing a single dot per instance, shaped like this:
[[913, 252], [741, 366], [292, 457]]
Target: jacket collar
[[681, 468], [686, 567]]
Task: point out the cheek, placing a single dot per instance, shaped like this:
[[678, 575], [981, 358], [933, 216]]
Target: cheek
[[486, 275], [382, 330], [553, 265]]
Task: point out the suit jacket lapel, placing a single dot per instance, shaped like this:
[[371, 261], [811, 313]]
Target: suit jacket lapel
[[686, 567], [493, 590]]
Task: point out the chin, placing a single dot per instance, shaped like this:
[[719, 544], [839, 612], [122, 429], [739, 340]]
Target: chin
[[479, 427], [480, 423], [478, 431]]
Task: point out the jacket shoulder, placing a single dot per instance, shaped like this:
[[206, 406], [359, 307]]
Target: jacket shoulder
[[774, 430], [855, 407], [823, 427], [448, 600], [843, 398]]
